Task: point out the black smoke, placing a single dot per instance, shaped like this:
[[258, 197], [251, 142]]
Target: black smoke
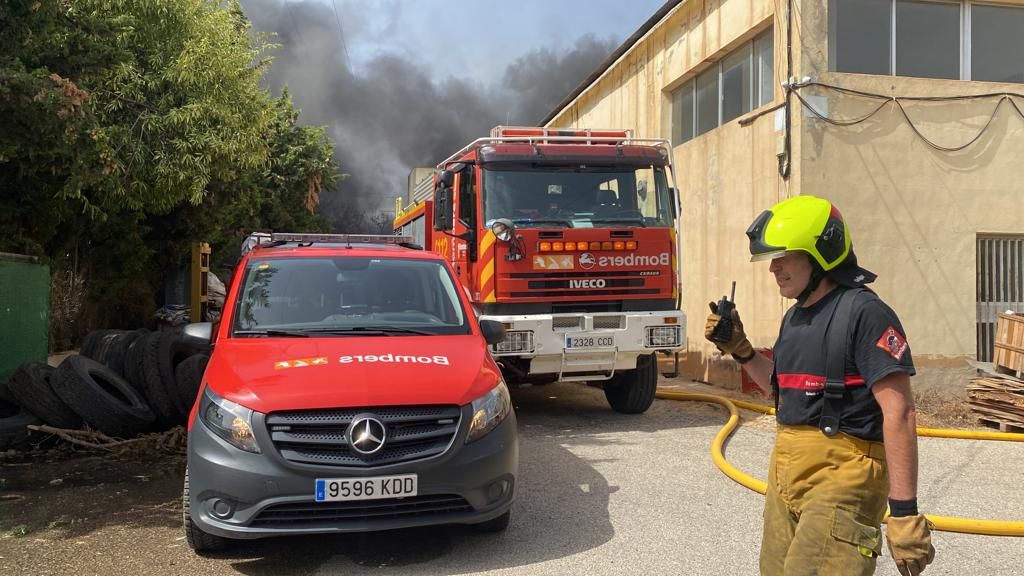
[[393, 114]]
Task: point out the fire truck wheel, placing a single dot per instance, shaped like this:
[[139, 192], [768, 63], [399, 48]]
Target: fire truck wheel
[[32, 390], [632, 392]]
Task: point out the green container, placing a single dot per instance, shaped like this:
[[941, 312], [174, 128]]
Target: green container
[[24, 312]]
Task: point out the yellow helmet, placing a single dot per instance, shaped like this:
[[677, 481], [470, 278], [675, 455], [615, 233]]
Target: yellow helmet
[[803, 224]]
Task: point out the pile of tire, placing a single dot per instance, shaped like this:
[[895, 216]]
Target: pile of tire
[[122, 383]]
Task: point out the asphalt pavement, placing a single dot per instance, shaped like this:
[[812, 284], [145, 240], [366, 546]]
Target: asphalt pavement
[[599, 493]]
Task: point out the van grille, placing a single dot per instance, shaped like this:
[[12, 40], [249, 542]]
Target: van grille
[[319, 436], [336, 514]]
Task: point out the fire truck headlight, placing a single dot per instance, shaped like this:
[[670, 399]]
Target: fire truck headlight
[[503, 229], [663, 337]]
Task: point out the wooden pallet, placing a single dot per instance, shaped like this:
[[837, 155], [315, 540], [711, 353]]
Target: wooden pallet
[[1001, 425], [1008, 349]]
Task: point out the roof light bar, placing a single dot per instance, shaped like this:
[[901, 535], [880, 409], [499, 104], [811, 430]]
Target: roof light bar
[[340, 238], [263, 239]]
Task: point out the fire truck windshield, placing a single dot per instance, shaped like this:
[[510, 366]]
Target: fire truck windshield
[[577, 196]]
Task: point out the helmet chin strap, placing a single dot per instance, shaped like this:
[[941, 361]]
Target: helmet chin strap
[[817, 273]]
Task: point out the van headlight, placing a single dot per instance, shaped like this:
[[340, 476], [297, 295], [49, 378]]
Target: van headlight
[[488, 411], [230, 421]]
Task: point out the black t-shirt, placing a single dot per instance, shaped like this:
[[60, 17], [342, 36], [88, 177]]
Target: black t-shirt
[[875, 348]]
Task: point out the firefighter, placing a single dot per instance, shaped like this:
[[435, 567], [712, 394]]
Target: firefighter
[[845, 448]]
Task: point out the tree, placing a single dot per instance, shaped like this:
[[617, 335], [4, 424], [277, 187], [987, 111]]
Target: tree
[[129, 128]]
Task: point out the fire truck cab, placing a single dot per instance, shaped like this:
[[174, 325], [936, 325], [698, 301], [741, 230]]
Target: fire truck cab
[[569, 239]]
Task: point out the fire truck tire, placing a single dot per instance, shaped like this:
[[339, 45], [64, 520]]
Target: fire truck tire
[[101, 397], [14, 429], [32, 390], [151, 364], [632, 392], [116, 353], [197, 540], [189, 376]]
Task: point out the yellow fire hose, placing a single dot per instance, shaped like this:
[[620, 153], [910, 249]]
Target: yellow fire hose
[[944, 523]]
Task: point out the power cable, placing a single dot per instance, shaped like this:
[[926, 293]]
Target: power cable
[[898, 101]]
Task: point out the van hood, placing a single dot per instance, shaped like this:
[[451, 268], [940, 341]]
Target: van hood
[[270, 374]]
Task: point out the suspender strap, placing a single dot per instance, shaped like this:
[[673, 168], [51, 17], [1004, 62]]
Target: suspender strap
[[835, 363]]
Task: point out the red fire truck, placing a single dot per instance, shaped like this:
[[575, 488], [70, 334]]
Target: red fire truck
[[569, 238]]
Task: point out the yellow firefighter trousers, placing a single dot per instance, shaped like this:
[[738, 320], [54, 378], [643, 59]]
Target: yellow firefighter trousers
[[824, 506]]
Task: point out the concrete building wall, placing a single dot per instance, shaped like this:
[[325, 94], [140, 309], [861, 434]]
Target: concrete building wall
[[915, 212]]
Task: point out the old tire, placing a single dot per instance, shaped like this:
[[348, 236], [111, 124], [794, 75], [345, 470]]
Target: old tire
[[96, 342], [494, 525], [162, 358], [632, 392], [198, 540], [189, 376], [32, 390], [101, 397], [116, 352], [14, 430], [145, 376]]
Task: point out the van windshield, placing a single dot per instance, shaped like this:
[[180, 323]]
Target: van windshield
[[307, 296]]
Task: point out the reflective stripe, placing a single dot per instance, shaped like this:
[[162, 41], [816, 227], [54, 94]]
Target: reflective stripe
[[812, 382], [488, 272]]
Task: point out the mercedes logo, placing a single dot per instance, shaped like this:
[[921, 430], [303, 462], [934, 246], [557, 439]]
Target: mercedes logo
[[366, 435]]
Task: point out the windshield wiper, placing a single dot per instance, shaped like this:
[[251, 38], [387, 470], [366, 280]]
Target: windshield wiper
[[639, 221], [561, 221], [273, 332], [370, 331]]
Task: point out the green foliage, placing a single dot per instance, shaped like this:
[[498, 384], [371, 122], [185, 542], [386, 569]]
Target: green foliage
[[131, 128]]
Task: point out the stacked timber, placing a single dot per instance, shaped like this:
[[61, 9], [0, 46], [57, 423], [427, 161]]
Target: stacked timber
[[998, 398]]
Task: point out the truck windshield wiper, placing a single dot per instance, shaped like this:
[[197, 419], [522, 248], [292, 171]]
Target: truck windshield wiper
[[639, 221], [370, 331], [273, 332], [561, 221]]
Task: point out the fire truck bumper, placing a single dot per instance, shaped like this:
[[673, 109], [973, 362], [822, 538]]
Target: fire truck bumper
[[588, 346]]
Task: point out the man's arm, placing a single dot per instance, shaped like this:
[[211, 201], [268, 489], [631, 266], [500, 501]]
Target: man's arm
[[899, 429], [760, 369]]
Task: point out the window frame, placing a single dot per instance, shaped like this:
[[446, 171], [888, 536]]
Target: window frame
[[755, 99], [966, 33]]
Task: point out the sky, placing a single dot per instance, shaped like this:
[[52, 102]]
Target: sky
[[405, 83]]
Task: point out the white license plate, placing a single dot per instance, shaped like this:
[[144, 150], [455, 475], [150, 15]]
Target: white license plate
[[580, 341], [375, 488]]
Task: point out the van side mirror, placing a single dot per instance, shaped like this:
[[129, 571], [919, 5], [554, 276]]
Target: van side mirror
[[198, 334], [493, 331]]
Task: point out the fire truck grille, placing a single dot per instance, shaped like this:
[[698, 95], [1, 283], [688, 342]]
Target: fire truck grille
[[319, 436], [567, 322], [340, 514]]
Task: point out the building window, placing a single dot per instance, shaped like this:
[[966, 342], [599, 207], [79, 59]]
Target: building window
[[743, 80], [951, 39], [707, 101], [928, 39], [996, 33], [859, 35]]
